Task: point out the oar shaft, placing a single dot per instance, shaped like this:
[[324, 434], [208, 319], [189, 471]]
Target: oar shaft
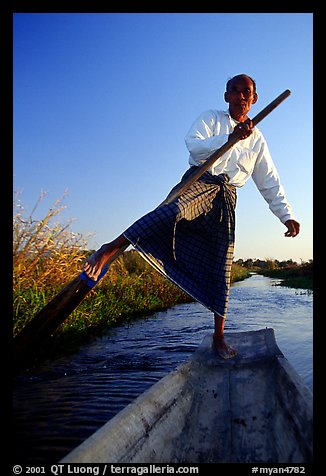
[[201, 169], [271, 106]]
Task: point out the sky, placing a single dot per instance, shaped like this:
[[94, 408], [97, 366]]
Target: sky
[[103, 101]]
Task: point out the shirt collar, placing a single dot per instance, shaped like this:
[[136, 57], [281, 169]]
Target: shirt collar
[[227, 113]]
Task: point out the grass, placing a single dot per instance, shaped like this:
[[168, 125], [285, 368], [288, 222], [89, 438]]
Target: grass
[[297, 276], [48, 254], [239, 273]]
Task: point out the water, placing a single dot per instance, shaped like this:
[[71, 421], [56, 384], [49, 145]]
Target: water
[[58, 406]]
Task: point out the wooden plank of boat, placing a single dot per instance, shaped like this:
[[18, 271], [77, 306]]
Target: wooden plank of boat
[[249, 409]]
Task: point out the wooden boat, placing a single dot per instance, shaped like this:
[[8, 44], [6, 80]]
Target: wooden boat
[[253, 408]]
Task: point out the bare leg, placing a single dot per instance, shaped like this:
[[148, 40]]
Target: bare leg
[[105, 255], [219, 345]]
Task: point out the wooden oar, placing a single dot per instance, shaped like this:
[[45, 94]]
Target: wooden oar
[[46, 321], [180, 189]]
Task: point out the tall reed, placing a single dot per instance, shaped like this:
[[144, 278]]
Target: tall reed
[[46, 254]]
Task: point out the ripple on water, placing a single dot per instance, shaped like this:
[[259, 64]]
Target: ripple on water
[[59, 405]]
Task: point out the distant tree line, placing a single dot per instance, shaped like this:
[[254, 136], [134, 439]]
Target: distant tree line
[[271, 263]]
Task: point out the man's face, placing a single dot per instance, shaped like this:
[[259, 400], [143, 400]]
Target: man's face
[[240, 96]]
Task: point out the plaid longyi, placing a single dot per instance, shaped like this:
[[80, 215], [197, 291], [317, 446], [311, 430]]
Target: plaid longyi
[[191, 240]]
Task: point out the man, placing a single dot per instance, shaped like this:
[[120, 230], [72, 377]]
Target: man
[[191, 240]]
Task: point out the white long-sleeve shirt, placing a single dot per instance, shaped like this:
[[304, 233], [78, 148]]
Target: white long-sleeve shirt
[[247, 158]]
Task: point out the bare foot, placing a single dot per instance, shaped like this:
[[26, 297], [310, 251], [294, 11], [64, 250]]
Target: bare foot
[[94, 264], [104, 256], [222, 348]]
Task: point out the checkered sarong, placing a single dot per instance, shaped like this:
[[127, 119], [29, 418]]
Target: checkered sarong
[[191, 240]]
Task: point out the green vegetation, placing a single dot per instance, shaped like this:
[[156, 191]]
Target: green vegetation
[[289, 272], [238, 273], [293, 276], [47, 255]]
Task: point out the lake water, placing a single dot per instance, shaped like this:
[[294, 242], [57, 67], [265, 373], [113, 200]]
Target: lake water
[[59, 405]]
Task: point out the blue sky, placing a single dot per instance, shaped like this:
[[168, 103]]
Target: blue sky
[[102, 103]]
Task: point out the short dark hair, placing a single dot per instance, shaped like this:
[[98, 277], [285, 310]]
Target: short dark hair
[[238, 76]]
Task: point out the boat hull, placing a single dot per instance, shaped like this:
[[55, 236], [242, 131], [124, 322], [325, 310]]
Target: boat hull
[[249, 409]]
